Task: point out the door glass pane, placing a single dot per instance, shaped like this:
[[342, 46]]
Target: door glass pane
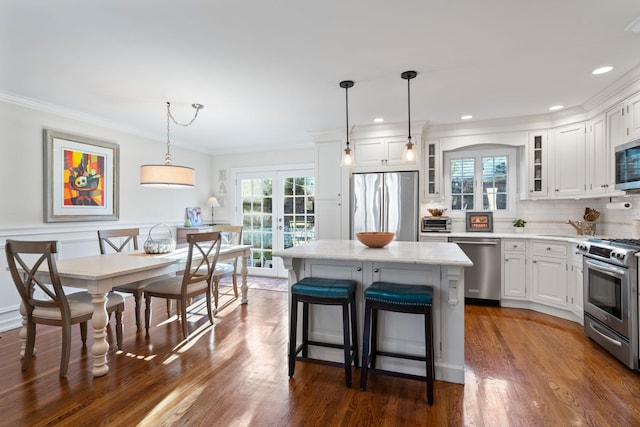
[[298, 211], [257, 219]]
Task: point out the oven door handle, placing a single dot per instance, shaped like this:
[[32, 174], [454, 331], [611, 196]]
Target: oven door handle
[[605, 269], [611, 340]]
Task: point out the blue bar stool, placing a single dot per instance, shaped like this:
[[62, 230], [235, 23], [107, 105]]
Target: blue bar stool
[[315, 290], [400, 298]]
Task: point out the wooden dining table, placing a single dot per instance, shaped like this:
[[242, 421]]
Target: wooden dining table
[[99, 274]]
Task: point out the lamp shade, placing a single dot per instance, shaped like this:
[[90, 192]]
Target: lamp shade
[[167, 176], [213, 202]]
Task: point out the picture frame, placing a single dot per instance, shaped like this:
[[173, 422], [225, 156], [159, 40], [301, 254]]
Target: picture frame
[[195, 216], [81, 178], [480, 221]]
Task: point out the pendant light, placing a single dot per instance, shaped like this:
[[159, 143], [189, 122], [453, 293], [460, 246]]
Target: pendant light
[[347, 157], [168, 175], [409, 153]]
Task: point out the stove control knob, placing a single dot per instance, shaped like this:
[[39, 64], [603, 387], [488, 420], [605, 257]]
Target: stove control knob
[[582, 246], [618, 255]]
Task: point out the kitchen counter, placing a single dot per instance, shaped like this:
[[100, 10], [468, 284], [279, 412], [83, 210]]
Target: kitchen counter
[[572, 238], [436, 264]]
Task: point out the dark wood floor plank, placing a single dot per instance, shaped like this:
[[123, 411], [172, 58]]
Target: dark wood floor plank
[[522, 369]]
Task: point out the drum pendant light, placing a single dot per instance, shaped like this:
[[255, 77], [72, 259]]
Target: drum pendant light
[[168, 175], [347, 157], [409, 154]]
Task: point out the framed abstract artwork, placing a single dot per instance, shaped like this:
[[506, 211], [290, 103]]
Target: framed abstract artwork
[[81, 178]]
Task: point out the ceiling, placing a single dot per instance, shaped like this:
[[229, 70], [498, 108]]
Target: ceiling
[[268, 72]]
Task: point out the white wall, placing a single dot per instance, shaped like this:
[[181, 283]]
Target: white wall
[[21, 189]]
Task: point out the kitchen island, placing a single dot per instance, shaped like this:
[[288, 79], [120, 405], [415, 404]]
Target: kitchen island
[[421, 263]]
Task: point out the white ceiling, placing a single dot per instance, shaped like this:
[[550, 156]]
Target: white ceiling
[[268, 71]]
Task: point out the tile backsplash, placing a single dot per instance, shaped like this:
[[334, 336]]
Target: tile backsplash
[[550, 216]]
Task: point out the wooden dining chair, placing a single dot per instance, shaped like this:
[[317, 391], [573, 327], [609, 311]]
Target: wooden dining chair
[[44, 300], [118, 241], [230, 235], [202, 257]]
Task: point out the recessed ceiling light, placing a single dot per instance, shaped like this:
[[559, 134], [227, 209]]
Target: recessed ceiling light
[[602, 70], [378, 120], [556, 107], [467, 117]]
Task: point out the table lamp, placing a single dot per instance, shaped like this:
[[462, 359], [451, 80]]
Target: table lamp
[[214, 203]]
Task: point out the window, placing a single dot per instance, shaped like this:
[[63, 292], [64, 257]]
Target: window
[[481, 179]]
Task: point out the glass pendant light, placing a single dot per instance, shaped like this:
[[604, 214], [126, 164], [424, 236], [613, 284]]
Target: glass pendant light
[[409, 153], [347, 156], [168, 175]]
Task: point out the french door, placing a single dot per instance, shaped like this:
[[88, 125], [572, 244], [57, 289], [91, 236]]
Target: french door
[[277, 211]]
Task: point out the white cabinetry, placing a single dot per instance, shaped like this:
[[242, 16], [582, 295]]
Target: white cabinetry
[[380, 151], [432, 170], [328, 195], [599, 163], [549, 273], [569, 148], [576, 285], [632, 114], [514, 267], [538, 164]]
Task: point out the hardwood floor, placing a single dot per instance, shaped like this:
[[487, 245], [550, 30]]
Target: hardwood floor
[[522, 369]]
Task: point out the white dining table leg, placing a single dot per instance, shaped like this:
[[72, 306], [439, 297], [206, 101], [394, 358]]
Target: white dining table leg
[[100, 346], [244, 287]]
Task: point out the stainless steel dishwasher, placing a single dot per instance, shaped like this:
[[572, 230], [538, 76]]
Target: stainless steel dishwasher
[[482, 281]]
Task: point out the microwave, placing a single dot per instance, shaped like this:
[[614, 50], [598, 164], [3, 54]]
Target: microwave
[[435, 224], [627, 166]]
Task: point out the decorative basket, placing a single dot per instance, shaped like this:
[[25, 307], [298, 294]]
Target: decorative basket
[[159, 246]]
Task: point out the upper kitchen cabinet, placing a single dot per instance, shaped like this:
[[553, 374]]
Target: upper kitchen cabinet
[[382, 152], [599, 179], [569, 156], [623, 121], [432, 170], [538, 180], [329, 182], [632, 114]]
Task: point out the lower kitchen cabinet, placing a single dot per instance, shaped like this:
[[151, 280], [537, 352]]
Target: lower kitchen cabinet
[[514, 268], [576, 287], [549, 281]]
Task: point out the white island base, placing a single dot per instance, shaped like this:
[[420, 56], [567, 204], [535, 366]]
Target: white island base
[[439, 265]]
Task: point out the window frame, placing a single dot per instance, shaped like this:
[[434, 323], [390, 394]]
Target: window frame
[[478, 153]]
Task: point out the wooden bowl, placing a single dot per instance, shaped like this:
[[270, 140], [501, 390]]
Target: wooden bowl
[[375, 239]]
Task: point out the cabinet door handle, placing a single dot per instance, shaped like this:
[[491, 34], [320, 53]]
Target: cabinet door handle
[[534, 261], [376, 270], [358, 268]]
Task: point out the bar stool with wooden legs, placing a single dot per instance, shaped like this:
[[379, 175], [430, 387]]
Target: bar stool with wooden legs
[[320, 291], [400, 298]]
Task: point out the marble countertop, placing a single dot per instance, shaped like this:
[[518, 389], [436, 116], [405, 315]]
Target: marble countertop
[[572, 238], [434, 253]]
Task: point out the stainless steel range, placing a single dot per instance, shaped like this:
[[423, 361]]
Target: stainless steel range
[[611, 296]]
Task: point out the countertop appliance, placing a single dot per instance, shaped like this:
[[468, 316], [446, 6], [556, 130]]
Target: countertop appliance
[[628, 166], [482, 281], [435, 224], [385, 201], [610, 270]]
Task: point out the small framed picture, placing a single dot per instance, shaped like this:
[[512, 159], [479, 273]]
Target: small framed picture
[[195, 216], [480, 221]]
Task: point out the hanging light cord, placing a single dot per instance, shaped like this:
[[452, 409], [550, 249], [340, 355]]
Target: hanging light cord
[[346, 97], [198, 107], [409, 105]]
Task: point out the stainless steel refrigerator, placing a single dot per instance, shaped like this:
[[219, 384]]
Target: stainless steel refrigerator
[[385, 201]]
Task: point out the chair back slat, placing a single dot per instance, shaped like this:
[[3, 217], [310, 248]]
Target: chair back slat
[[230, 234], [107, 238], [202, 257], [24, 263]]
